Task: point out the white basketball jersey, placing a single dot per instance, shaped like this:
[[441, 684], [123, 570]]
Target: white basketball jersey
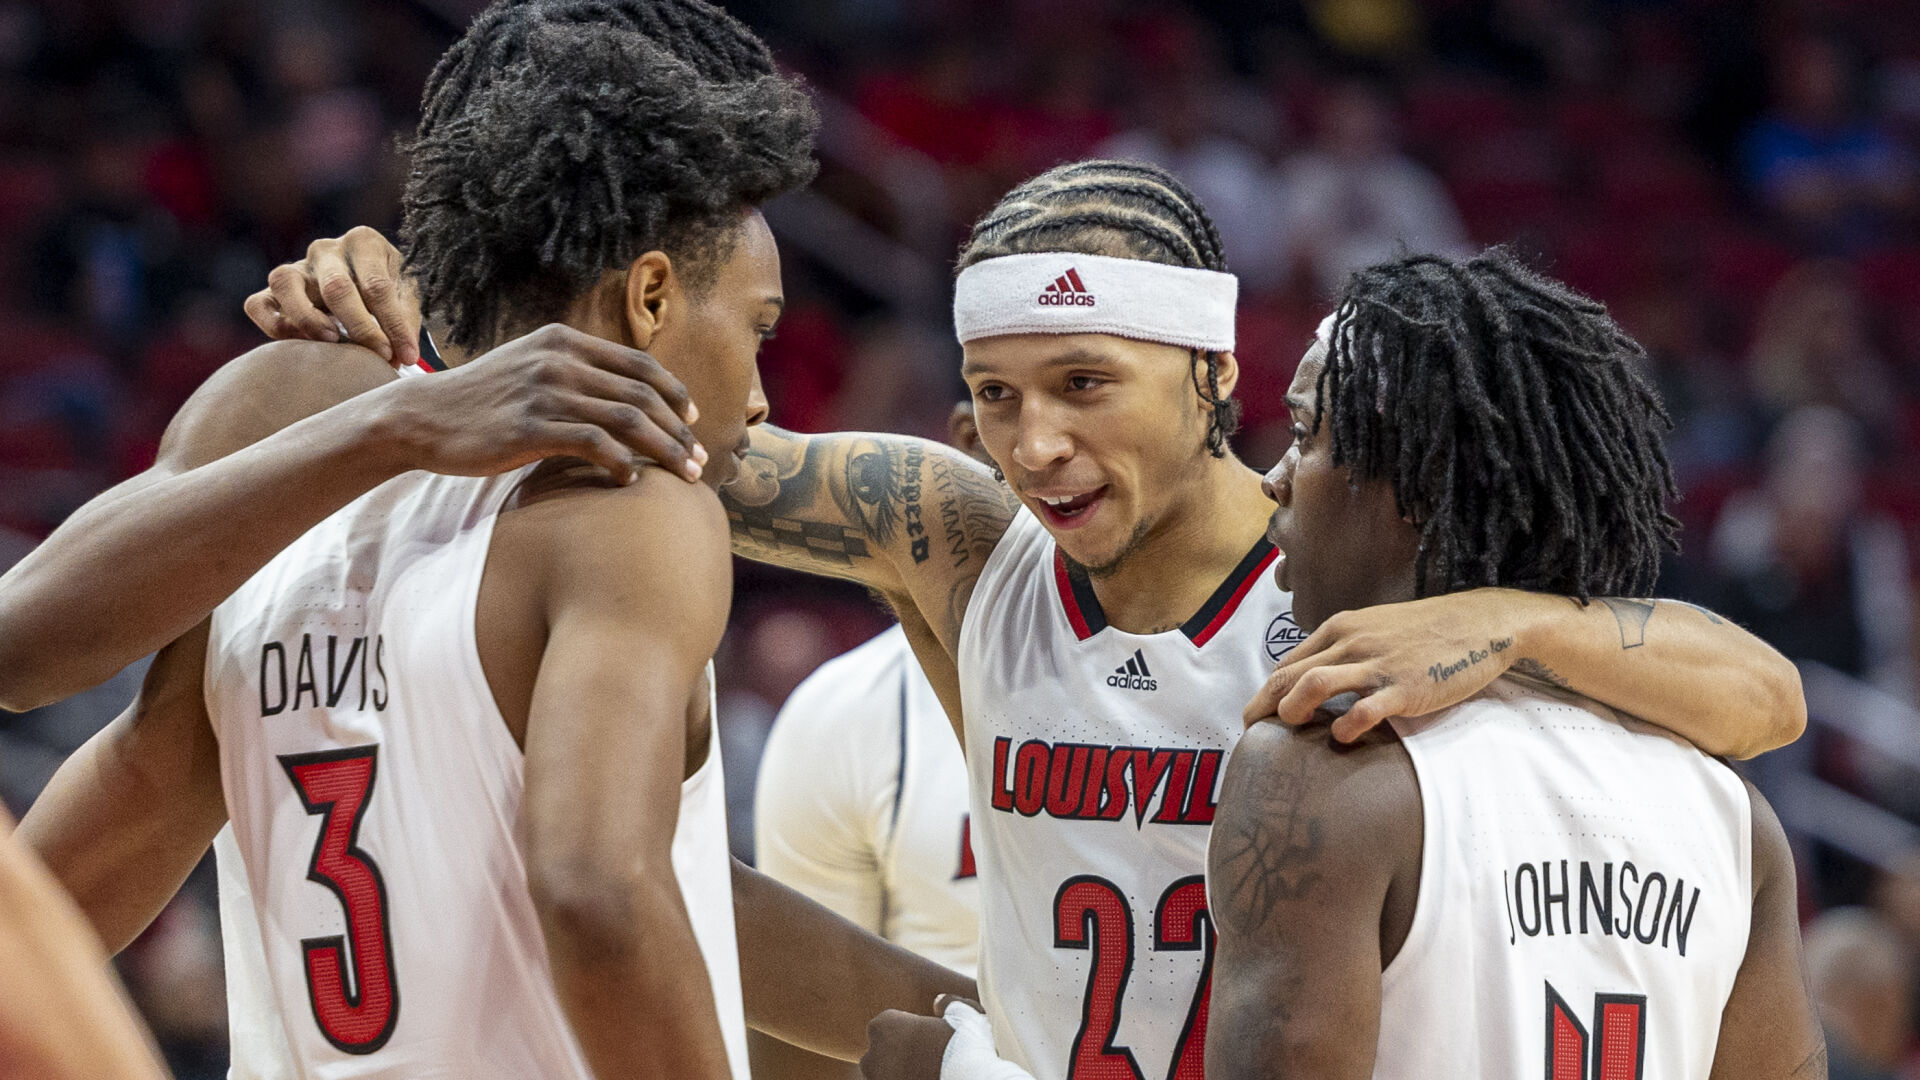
[[1585, 896], [374, 794], [862, 803], [1095, 758]]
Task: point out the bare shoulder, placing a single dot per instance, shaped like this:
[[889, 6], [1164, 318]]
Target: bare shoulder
[[266, 389], [660, 534], [1305, 821]]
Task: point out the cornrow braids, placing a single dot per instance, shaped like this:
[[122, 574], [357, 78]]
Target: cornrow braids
[[564, 138], [1511, 416], [1124, 209]]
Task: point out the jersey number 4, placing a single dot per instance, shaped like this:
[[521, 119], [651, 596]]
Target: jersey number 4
[[356, 1018], [1091, 913], [1616, 1047]]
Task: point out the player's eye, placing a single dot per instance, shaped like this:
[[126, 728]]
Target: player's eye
[[991, 392], [1085, 382], [1299, 434]]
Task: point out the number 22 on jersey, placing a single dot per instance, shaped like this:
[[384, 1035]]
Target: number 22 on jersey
[[356, 1018], [1091, 913]]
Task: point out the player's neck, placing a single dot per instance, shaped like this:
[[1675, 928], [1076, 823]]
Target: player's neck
[[1195, 545]]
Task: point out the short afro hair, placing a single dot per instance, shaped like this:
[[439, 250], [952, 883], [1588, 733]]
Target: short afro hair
[[1513, 418], [561, 139]]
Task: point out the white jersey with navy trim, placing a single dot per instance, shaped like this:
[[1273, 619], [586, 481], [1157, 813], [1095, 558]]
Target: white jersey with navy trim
[[1585, 896], [1095, 759], [861, 803], [374, 795]]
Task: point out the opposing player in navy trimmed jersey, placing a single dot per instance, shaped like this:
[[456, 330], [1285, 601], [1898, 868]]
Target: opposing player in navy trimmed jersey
[[1094, 612], [1525, 877]]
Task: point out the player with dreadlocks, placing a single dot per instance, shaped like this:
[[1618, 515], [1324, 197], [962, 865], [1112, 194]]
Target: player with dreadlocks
[[1092, 622], [1395, 909], [462, 728]]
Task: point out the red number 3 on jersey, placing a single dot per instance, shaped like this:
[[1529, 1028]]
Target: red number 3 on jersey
[[357, 1019]]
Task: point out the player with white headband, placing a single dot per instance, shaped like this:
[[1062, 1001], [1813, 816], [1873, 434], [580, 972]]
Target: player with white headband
[[1095, 623]]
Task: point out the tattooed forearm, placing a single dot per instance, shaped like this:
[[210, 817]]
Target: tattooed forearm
[[1632, 615], [1534, 669], [1474, 657], [1815, 1064]]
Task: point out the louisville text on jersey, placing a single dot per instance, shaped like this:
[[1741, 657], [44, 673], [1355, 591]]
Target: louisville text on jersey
[[1085, 782], [332, 673], [1646, 907]]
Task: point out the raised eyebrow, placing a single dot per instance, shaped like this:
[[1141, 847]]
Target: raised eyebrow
[[1296, 403]]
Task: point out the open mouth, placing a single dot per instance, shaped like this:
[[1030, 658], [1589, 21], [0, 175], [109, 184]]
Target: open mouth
[[1070, 512]]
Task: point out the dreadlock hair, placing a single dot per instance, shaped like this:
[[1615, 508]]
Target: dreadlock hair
[[560, 139], [1512, 418], [1123, 209]]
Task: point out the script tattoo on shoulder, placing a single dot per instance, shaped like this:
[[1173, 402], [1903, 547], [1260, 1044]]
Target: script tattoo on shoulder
[[1272, 853]]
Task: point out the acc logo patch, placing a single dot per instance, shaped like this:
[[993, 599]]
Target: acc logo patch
[[1282, 635]]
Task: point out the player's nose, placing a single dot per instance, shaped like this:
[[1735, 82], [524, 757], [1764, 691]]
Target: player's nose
[[757, 408], [1040, 441]]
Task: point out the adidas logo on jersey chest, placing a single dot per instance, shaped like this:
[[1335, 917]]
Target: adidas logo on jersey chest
[[1133, 675]]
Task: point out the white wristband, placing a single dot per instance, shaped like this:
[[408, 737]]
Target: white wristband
[[969, 1054]]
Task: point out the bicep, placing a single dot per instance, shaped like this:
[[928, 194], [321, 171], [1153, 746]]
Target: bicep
[[1769, 1030], [902, 515], [1297, 886]]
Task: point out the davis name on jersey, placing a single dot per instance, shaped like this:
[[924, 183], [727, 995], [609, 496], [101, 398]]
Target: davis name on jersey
[[1095, 753]]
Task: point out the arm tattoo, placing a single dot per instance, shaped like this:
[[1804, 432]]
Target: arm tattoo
[[1272, 853], [1815, 1063], [974, 511], [1534, 669], [774, 502], [1632, 615]]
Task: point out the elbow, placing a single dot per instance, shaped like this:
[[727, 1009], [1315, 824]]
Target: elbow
[[23, 684], [1780, 701], [592, 912]]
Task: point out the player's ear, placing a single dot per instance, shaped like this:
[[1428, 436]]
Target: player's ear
[[1225, 365], [653, 296]]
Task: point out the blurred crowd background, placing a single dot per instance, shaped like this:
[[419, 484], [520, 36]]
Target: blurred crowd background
[[1739, 181]]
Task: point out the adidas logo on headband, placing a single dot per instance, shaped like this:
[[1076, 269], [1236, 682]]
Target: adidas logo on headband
[[1067, 290]]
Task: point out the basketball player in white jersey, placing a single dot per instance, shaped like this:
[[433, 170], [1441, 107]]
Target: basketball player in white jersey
[[463, 727], [861, 804], [1526, 876], [1095, 610]]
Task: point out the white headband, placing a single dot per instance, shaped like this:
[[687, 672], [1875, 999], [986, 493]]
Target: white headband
[[1065, 293]]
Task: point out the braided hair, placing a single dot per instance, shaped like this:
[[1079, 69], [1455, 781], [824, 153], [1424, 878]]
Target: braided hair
[[1513, 420], [560, 139], [1123, 209]]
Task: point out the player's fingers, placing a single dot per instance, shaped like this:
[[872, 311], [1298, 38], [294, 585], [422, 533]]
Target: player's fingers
[[607, 386], [637, 433], [1313, 688], [1367, 713], [289, 290], [590, 443], [265, 314], [340, 295], [1324, 636], [640, 367], [1266, 698], [376, 266], [941, 1001], [1283, 680]]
